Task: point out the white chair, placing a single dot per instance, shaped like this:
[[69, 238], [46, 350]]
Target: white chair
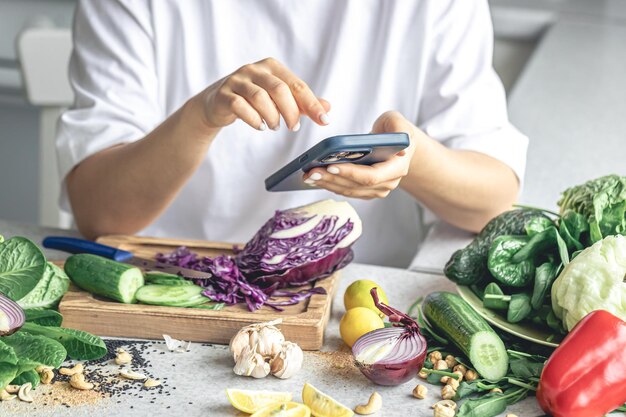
[[43, 54]]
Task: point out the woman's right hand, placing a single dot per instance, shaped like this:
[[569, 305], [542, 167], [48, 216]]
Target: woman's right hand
[[259, 94]]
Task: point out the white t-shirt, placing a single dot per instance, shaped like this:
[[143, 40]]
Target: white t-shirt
[[136, 61]]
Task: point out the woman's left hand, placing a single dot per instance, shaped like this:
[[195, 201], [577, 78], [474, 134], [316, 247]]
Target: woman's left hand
[[369, 181]]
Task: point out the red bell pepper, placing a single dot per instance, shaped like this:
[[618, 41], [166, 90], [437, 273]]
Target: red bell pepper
[[586, 374]]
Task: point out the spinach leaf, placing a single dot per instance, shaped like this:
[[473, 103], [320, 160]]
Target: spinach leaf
[[79, 345], [33, 351], [525, 368], [519, 308], [504, 267], [466, 389], [49, 290], [489, 405], [28, 376], [545, 274], [21, 267], [537, 225], [494, 297], [44, 317]]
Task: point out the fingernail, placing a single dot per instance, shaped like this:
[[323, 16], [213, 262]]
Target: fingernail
[[324, 118], [275, 128], [263, 126], [315, 176], [296, 127], [333, 169], [309, 181]]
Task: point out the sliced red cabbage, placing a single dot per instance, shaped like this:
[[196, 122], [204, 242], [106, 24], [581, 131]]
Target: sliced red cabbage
[[294, 248]]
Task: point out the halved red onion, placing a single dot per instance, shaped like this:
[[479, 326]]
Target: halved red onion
[[11, 316], [391, 355]]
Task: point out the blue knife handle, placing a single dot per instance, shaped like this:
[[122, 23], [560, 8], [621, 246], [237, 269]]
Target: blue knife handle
[[75, 245]]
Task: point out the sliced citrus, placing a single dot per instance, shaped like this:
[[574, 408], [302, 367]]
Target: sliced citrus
[[285, 409], [250, 401], [322, 405]]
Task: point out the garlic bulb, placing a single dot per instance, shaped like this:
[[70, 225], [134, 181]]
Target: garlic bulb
[[287, 361], [265, 338]]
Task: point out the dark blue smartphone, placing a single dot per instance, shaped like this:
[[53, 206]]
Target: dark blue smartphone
[[366, 149]]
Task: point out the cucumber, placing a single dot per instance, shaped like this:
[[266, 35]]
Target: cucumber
[[469, 332], [162, 278], [172, 295], [104, 277]]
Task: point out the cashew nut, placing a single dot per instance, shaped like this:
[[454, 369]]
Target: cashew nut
[[123, 357], [374, 404], [5, 396], [78, 381], [12, 389], [77, 369], [128, 374], [45, 374], [498, 390], [420, 392], [151, 383], [24, 393]]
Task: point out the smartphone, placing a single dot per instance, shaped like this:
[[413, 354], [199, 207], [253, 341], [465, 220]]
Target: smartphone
[[365, 149]]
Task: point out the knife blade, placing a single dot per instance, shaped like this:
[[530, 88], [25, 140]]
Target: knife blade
[[76, 245]]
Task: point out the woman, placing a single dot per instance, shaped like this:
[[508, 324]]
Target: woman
[[183, 108]]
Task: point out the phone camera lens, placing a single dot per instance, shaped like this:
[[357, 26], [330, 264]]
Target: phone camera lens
[[355, 155]]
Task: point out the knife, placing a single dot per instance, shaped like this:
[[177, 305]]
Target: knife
[[76, 245]]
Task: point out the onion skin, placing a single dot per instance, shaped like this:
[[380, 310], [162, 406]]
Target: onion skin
[[14, 313]]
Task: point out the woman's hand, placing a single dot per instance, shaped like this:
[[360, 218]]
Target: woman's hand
[[374, 181], [259, 94]]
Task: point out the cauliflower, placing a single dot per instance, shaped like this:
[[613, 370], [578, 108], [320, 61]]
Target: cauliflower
[[593, 280]]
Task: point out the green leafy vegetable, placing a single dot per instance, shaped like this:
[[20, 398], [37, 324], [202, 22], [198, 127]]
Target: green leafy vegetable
[[33, 351], [44, 317], [8, 364], [492, 404], [502, 266], [28, 376], [79, 345], [21, 267], [519, 308], [495, 298], [545, 274], [48, 291], [602, 202], [538, 225]]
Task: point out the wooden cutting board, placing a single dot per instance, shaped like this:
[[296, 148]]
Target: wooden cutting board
[[303, 323]]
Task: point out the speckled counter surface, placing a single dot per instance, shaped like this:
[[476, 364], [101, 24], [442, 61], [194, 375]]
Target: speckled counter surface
[[194, 382]]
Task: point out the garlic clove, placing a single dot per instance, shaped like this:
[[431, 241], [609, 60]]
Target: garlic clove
[[270, 341], [288, 361]]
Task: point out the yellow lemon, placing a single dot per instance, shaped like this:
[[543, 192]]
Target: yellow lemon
[[358, 321], [286, 409], [250, 401], [358, 295], [322, 405]]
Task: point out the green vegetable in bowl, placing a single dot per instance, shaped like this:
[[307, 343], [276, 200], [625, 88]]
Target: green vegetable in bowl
[[468, 266], [593, 280], [602, 203], [502, 266]]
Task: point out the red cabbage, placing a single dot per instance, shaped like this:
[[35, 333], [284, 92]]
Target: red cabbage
[[294, 248], [300, 245]]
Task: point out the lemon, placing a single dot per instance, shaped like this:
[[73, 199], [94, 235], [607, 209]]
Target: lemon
[[322, 405], [249, 401], [358, 321], [285, 409], [358, 295]]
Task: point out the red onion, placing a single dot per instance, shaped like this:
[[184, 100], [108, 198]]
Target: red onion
[[391, 355], [11, 316]]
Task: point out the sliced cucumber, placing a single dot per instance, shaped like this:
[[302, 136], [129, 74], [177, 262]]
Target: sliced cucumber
[[469, 332], [104, 277], [162, 278], [172, 295]]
